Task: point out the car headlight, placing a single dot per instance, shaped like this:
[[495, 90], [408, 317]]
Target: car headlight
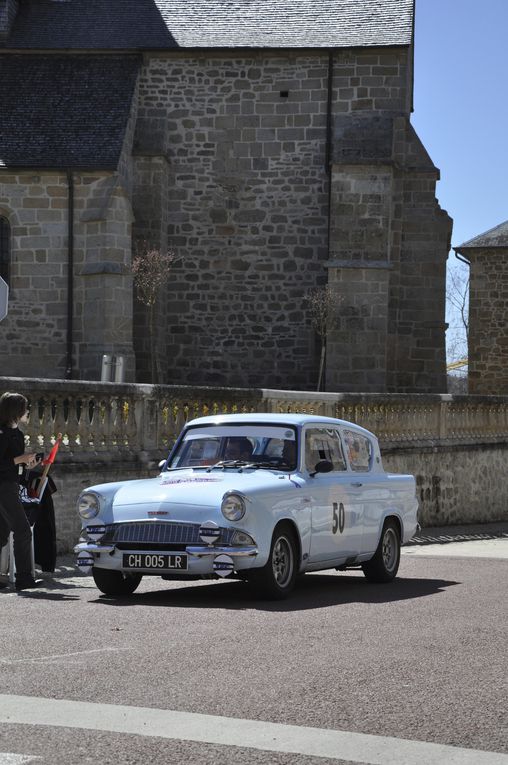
[[233, 506], [88, 505]]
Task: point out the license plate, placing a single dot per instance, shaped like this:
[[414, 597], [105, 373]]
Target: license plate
[[175, 562]]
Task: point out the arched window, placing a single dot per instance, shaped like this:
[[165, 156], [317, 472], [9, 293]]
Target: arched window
[[5, 248]]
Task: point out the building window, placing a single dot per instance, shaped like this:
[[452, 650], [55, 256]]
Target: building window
[[5, 248]]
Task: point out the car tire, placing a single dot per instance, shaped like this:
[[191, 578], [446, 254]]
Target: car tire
[[115, 582], [383, 566], [276, 579]]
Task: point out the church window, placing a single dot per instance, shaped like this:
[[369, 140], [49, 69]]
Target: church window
[[5, 248]]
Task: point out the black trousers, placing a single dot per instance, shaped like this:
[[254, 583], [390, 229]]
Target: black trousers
[[13, 518]]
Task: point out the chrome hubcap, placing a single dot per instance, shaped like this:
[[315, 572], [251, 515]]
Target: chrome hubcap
[[282, 561], [390, 549]]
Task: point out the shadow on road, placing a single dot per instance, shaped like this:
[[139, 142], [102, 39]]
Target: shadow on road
[[312, 591]]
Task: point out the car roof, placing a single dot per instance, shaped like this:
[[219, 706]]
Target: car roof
[[284, 418]]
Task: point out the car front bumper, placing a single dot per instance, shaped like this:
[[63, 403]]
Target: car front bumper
[[202, 560]]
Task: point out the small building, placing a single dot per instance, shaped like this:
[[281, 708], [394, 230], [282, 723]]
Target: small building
[[487, 255], [268, 143]]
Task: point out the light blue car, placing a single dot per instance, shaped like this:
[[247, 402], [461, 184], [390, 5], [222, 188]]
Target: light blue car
[[260, 497]]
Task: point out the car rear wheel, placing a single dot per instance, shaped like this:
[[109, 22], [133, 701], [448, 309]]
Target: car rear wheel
[[383, 566], [277, 577], [115, 582]]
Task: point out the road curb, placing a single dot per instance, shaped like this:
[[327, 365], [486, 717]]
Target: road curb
[[468, 533]]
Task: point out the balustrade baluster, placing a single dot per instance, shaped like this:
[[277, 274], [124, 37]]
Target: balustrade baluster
[[72, 422], [46, 427]]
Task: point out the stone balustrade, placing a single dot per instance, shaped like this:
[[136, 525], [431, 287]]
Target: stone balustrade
[[455, 446], [125, 421]]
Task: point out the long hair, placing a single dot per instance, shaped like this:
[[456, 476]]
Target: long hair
[[12, 408]]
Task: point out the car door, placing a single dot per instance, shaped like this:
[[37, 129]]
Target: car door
[[336, 529], [368, 489]]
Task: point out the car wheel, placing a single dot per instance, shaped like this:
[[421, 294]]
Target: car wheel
[[277, 577], [115, 582], [383, 566]]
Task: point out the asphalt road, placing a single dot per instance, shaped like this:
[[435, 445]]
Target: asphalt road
[[344, 671]]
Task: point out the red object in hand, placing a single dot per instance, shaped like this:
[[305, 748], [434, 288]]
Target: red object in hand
[[51, 456]]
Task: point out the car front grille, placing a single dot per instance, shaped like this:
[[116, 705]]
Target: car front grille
[[156, 535]]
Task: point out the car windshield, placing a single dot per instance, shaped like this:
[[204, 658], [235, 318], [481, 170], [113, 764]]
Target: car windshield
[[223, 446]]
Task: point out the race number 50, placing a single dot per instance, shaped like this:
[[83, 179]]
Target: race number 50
[[339, 518]]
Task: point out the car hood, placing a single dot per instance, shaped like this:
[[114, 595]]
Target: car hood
[[200, 488]]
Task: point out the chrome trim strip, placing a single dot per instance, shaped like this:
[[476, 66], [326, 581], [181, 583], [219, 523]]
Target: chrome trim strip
[[198, 552], [234, 552], [90, 547]]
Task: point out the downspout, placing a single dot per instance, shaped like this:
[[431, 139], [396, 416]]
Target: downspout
[[328, 147], [328, 171], [328, 151], [70, 273]]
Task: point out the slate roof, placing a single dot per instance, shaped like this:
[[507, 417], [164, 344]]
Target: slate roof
[[168, 24], [494, 237], [50, 107]]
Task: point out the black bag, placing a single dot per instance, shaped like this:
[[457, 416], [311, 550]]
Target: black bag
[[41, 516]]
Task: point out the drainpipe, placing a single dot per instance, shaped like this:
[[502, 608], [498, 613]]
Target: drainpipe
[[70, 273], [328, 171], [328, 148]]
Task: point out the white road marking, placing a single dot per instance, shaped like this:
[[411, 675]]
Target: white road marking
[[227, 731], [482, 548], [57, 656], [9, 758]]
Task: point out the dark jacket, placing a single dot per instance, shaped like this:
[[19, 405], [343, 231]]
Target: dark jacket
[[12, 444]]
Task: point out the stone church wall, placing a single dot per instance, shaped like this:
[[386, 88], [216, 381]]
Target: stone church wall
[[232, 162], [245, 138], [251, 182], [33, 335]]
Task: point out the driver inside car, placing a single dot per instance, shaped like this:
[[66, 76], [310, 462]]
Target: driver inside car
[[238, 448]]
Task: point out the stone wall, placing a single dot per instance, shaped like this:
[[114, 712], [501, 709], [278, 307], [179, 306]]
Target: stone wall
[[33, 336], [389, 242], [268, 199], [265, 189], [455, 446], [8, 11], [245, 139], [35, 204], [488, 320]]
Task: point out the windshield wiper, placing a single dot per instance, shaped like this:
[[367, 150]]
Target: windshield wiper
[[228, 464]]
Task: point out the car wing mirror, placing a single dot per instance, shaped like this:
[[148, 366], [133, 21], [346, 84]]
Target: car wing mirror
[[323, 466], [161, 464]]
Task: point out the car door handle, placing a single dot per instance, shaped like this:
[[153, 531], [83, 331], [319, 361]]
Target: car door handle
[[357, 485]]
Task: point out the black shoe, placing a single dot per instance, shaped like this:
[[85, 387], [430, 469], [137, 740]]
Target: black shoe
[[3, 585], [28, 583]]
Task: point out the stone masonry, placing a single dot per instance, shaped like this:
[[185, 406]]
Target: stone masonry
[[34, 332], [488, 311], [269, 172], [249, 193]]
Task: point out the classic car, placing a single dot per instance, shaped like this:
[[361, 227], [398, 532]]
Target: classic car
[[260, 497]]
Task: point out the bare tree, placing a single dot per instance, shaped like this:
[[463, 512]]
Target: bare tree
[[151, 269], [323, 307], [457, 298], [457, 295]]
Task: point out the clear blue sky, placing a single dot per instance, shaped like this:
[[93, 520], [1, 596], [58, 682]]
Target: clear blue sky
[[461, 107], [461, 116]]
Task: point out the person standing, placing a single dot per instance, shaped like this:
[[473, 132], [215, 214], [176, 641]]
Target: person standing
[[14, 410]]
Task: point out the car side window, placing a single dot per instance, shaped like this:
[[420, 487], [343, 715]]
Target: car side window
[[359, 451], [323, 444]]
